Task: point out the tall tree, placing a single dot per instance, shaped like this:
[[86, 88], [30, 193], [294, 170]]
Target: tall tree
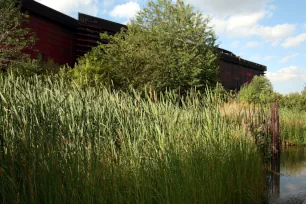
[[167, 46], [13, 38]]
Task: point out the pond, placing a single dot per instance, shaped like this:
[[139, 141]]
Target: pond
[[290, 185]]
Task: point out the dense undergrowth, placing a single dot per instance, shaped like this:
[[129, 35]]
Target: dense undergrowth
[[62, 144]]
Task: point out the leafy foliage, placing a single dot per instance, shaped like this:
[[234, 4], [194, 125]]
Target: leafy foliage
[[13, 38], [260, 90], [167, 46], [35, 67], [293, 100]]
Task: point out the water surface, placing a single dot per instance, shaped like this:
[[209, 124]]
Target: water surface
[[290, 185]]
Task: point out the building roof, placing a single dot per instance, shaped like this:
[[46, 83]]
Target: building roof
[[58, 17], [232, 58], [49, 13]]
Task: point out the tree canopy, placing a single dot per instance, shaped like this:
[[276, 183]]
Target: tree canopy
[[13, 38], [167, 46]]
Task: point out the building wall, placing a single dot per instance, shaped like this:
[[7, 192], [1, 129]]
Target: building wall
[[60, 37], [233, 76], [53, 40]]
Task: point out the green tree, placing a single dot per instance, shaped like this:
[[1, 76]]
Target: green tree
[[167, 46], [293, 101], [260, 90], [13, 38]]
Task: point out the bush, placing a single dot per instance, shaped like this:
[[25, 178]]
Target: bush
[[293, 101], [34, 67], [260, 90], [168, 46]]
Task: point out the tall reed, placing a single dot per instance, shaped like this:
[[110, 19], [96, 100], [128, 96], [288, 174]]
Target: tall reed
[[63, 144], [293, 126]]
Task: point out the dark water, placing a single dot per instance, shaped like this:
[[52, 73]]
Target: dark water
[[290, 185]]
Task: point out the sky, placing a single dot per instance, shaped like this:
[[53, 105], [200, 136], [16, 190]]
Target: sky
[[268, 32]]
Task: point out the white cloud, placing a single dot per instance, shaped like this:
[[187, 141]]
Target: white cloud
[[305, 26], [276, 33], [295, 41], [252, 44], [223, 8], [285, 59], [127, 10], [268, 58], [286, 74], [236, 21], [241, 18], [245, 25], [69, 7]]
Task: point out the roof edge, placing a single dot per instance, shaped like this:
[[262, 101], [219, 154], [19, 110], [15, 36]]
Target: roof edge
[[49, 13], [226, 55]]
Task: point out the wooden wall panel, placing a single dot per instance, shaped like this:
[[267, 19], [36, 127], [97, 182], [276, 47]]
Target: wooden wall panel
[[232, 76], [53, 40]]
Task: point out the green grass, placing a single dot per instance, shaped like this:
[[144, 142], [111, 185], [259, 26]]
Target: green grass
[[68, 145], [293, 126]]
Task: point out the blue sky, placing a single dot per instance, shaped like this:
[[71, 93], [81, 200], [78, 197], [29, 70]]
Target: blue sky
[[269, 32]]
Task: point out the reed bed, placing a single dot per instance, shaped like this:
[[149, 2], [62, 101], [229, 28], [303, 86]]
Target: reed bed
[[253, 119], [256, 120], [61, 144], [293, 126]]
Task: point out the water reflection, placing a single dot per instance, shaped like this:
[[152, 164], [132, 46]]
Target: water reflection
[[290, 185]]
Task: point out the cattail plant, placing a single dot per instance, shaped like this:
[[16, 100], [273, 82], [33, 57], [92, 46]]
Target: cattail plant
[[63, 144]]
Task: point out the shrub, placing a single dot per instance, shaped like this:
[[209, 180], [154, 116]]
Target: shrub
[[293, 101], [34, 67], [167, 46], [260, 90]]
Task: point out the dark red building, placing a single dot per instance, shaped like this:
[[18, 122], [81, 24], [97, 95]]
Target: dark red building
[[63, 39], [235, 71], [55, 33]]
